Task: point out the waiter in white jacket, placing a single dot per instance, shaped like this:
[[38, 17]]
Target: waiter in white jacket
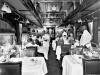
[[86, 37]]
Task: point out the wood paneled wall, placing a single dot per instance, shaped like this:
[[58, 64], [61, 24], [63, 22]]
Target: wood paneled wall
[[5, 26], [96, 31]]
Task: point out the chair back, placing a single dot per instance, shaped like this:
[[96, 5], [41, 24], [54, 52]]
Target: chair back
[[91, 67], [60, 42], [31, 52], [65, 48], [10, 68]]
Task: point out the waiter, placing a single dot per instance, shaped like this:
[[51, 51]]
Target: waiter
[[86, 37]]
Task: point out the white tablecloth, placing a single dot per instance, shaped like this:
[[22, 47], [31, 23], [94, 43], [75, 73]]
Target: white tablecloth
[[72, 65], [44, 49], [29, 67]]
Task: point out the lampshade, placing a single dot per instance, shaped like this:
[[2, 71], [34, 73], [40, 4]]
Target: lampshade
[[6, 8], [27, 21]]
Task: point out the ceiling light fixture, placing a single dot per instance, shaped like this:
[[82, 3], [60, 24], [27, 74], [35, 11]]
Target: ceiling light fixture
[[54, 8]]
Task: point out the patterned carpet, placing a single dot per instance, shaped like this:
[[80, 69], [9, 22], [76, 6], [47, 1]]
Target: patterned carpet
[[53, 65]]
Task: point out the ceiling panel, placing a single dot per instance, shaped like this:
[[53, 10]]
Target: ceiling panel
[[93, 10], [97, 14], [22, 9], [95, 6], [17, 4], [31, 17], [66, 5], [26, 12], [55, 0]]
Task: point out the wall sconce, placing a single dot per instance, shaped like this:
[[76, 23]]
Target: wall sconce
[[27, 21], [6, 8]]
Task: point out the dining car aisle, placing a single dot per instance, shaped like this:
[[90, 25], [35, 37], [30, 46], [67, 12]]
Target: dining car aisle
[[52, 64]]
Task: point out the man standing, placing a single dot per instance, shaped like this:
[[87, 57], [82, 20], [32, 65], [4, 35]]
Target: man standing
[[85, 37]]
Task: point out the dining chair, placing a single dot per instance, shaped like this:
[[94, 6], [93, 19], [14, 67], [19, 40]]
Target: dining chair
[[11, 68], [31, 51], [91, 67], [65, 49], [94, 44]]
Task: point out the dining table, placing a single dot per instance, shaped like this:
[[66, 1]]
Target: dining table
[[72, 65], [32, 65], [44, 49]]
